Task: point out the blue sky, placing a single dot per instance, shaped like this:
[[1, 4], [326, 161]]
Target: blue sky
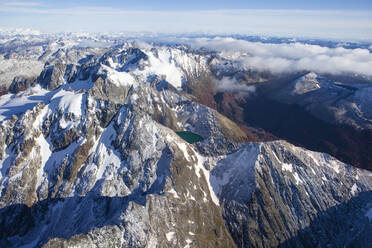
[[202, 5], [349, 20]]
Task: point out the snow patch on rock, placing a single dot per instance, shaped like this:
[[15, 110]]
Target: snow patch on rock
[[68, 102], [170, 235], [354, 189], [287, 167]]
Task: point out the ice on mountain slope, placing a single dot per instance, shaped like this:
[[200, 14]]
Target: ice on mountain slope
[[70, 105], [67, 102], [118, 78], [45, 153], [161, 62], [174, 63], [15, 104]]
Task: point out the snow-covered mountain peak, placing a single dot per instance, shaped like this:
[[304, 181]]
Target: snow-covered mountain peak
[[310, 76], [307, 83]]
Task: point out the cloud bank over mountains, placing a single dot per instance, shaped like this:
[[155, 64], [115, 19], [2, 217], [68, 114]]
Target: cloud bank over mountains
[[272, 57], [290, 57]]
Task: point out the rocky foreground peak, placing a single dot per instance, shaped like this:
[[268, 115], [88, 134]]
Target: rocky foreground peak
[[275, 194]]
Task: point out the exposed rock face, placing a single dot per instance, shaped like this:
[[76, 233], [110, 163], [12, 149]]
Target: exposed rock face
[[127, 60], [71, 72], [275, 194], [106, 90], [20, 84], [52, 76]]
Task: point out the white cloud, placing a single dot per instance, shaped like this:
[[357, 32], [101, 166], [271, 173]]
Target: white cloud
[[283, 58], [232, 85]]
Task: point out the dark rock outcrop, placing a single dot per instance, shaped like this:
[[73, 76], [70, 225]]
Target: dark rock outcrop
[[20, 84], [52, 76]]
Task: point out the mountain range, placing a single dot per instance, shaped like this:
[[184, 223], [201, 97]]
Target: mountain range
[[91, 156]]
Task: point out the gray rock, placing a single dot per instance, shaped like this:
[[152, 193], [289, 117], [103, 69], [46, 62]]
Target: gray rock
[[20, 84], [52, 76], [275, 194]]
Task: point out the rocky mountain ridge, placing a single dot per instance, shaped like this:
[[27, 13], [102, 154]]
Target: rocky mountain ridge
[[330, 101], [275, 194]]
